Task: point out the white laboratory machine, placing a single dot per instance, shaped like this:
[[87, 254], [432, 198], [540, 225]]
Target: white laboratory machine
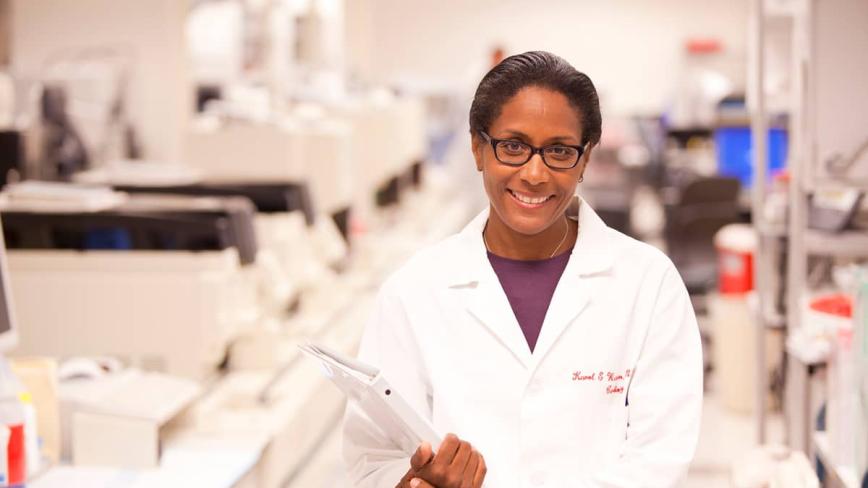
[[296, 248], [317, 152], [388, 138], [164, 283], [345, 152]]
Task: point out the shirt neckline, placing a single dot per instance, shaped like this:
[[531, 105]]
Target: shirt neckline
[[556, 257]]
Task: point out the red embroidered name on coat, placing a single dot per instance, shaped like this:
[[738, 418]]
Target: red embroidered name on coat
[[607, 377], [580, 376]]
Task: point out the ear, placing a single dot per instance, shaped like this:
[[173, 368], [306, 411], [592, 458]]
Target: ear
[[477, 144], [586, 158]]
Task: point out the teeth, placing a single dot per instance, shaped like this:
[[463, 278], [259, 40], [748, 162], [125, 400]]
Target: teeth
[[530, 201]]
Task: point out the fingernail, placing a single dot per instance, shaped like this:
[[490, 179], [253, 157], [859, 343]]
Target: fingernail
[[414, 482]]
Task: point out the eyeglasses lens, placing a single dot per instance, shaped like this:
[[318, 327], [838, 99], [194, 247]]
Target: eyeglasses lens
[[514, 152], [561, 156]]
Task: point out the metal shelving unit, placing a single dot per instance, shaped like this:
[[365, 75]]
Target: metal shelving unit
[[848, 244], [828, 73], [765, 15], [830, 31]]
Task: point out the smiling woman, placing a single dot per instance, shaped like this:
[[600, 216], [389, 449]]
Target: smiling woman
[[555, 350]]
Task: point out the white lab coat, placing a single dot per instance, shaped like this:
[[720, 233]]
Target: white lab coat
[[620, 327]]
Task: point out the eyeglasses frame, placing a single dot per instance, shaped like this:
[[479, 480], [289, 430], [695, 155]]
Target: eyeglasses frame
[[533, 150]]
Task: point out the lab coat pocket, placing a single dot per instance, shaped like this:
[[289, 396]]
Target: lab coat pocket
[[619, 424]]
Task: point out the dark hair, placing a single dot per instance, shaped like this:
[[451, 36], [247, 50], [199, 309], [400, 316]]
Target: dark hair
[[536, 68]]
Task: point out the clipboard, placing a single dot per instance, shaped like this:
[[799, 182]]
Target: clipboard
[[370, 390]]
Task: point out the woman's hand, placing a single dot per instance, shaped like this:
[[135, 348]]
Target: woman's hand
[[456, 465], [421, 457]]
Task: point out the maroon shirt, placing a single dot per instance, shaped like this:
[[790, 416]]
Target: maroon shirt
[[529, 286]]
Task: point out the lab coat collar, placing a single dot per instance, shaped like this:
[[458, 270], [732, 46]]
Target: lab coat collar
[[592, 254]]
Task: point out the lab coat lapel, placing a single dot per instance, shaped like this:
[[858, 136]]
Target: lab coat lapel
[[489, 305], [478, 285], [592, 257], [570, 299]]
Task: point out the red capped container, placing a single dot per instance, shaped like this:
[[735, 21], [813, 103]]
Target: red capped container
[[736, 245], [16, 457]]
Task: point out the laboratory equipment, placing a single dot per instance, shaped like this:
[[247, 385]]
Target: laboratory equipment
[[122, 418], [297, 247], [102, 50], [388, 138], [272, 197], [11, 155], [11, 143], [733, 147], [162, 282], [150, 222], [833, 209], [5, 434], [12, 412], [346, 153], [12, 417], [8, 322], [62, 149], [302, 246], [317, 154]]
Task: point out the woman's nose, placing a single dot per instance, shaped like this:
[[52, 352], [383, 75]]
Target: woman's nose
[[535, 171]]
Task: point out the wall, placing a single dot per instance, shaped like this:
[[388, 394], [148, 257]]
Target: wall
[[839, 77], [160, 96], [359, 37], [5, 13], [632, 49]]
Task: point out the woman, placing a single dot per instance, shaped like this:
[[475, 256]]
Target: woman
[[557, 351]]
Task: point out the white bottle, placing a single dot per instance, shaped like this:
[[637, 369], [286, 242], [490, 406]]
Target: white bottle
[[13, 416], [4, 455]]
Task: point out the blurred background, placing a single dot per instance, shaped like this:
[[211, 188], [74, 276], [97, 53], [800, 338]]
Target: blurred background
[[193, 188]]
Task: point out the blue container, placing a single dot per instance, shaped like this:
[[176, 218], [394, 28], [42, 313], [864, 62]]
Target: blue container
[[733, 146]]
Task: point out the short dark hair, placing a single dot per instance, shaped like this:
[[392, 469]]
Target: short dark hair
[[536, 68]]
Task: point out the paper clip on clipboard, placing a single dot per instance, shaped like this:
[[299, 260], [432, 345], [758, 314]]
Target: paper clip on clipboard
[[365, 385]]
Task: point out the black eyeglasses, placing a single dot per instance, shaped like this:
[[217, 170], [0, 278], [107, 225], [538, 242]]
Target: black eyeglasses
[[516, 153]]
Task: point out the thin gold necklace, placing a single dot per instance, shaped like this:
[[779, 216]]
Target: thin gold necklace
[[563, 239]]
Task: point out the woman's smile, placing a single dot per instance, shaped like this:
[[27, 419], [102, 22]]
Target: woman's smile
[[529, 200]]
